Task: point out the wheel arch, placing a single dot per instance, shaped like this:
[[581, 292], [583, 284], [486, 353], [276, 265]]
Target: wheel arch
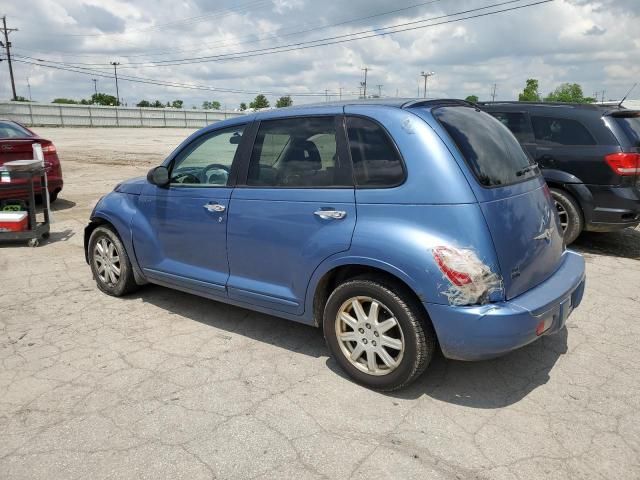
[[100, 220], [325, 281]]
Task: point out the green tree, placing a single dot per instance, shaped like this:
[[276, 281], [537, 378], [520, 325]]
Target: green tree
[[177, 103], [530, 92], [103, 99], [157, 104], [20, 99], [69, 101], [243, 106], [213, 105], [472, 99], [143, 103], [570, 93], [259, 102], [284, 102]]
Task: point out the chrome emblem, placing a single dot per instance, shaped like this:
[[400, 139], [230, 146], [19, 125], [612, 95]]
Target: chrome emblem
[[545, 235], [7, 147]]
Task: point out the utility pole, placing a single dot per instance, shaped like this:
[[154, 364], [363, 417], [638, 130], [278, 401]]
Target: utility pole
[[115, 72], [493, 94], [7, 46], [29, 87], [341, 88], [426, 75], [326, 95], [603, 96], [95, 85], [364, 84], [379, 90]]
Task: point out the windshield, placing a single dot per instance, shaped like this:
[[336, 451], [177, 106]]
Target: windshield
[[13, 130], [489, 148]]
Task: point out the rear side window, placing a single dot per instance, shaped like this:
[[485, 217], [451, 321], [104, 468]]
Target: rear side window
[[517, 123], [298, 153], [561, 131], [11, 130], [631, 127], [376, 162], [489, 148]]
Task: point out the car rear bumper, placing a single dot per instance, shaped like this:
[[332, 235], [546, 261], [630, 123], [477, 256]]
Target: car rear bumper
[[485, 331], [21, 190], [612, 208]]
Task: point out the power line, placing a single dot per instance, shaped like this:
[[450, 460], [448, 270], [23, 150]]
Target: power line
[[273, 35], [338, 39], [150, 81]]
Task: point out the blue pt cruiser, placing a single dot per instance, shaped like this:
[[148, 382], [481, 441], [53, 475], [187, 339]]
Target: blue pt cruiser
[[396, 227]]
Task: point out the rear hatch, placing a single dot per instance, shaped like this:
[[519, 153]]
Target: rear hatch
[[513, 197], [626, 128]]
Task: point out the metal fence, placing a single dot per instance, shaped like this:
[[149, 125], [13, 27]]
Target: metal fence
[[63, 115]]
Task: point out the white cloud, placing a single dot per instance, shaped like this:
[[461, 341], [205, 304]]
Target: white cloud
[[593, 43]]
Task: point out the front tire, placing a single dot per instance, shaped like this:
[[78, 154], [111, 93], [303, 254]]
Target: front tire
[[569, 213], [110, 263], [376, 333]]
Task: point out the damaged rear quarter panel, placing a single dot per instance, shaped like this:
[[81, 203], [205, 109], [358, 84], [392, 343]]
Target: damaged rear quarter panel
[[407, 243]]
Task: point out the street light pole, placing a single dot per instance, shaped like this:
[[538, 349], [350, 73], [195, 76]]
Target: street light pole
[[95, 85], [426, 75], [115, 73]]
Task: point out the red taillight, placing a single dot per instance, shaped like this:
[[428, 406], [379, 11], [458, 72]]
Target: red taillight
[[448, 260], [48, 148], [624, 163]]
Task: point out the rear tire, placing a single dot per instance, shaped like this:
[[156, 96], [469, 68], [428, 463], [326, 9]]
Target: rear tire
[[53, 196], [384, 347], [110, 263], [569, 213]]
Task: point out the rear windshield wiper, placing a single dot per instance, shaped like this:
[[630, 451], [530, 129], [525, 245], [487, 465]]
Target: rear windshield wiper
[[527, 169]]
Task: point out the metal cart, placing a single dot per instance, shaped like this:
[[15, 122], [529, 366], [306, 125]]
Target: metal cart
[[31, 170]]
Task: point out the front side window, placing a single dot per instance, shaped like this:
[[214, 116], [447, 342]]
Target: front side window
[[297, 153], [489, 148], [560, 131], [517, 123], [208, 161], [376, 162]]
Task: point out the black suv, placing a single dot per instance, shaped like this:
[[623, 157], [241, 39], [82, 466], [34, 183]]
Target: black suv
[[589, 156]]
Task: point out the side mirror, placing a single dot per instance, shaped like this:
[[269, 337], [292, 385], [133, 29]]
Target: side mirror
[[158, 176]]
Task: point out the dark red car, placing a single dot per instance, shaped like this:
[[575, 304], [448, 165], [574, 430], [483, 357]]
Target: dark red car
[[16, 142]]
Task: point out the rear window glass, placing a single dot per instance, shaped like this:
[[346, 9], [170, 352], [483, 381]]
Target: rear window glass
[[12, 130], [492, 152], [631, 127], [560, 131]]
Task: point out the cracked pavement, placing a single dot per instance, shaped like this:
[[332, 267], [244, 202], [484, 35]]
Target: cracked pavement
[[162, 384]]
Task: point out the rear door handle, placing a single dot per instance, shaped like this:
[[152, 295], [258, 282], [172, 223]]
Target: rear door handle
[[330, 214], [214, 207]]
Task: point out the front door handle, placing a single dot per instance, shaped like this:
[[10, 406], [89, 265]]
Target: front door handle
[[214, 207], [330, 214]]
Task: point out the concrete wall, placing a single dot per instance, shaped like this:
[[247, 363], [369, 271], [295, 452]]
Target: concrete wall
[[61, 115]]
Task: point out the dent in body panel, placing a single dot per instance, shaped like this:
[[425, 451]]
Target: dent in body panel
[[480, 282]]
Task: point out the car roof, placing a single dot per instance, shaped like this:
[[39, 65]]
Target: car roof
[[601, 109], [394, 102]]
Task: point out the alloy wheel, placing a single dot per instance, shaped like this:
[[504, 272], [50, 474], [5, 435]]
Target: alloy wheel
[[369, 335], [564, 216], [107, 261]]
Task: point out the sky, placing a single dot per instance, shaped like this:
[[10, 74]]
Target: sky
[[593, 43]]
